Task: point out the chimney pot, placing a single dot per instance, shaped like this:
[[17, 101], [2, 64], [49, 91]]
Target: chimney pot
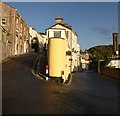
[[58, 19]]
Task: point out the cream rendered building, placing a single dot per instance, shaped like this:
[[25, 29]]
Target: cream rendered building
[[62, 49], [40, 38], [78, 57], [74, 52], [44, 37]]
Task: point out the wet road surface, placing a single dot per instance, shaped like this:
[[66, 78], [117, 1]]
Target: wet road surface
[[23, 93]]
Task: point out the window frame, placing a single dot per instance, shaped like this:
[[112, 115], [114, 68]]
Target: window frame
[[57, 34]]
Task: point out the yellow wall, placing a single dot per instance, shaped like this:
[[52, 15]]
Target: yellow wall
[[57, 59], [56, 56]]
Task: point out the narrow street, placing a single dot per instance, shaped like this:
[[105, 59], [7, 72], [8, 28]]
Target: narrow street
[[23, 93]]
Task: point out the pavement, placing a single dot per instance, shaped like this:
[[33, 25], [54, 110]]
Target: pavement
[[39, 67]]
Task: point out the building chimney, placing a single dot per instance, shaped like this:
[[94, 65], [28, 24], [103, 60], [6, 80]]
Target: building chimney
[[115, 44], [58, 20]]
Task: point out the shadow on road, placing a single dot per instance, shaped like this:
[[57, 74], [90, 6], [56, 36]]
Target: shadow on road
[[31, 57]]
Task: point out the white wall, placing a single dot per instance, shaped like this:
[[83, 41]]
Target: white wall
[[74, 53], [114, 63], [34, 33], [51, 33]]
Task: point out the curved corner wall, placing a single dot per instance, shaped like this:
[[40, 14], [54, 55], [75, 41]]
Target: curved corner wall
[[56, 56]]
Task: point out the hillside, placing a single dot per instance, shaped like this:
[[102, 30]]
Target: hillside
[[101, 52]]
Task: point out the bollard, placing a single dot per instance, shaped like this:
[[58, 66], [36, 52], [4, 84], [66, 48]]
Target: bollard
[[62, 72], [46, 69]]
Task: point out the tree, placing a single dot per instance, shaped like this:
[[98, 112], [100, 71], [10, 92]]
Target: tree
[[101, 51]]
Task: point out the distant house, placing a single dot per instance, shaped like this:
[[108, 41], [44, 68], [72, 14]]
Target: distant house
[[44, 36], [114, 63], [36, 40], [44, 40], [84, 60]]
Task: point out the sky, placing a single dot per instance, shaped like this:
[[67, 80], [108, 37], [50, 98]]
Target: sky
[[94, 22]]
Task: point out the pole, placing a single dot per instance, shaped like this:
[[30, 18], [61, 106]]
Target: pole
[[98, 67]]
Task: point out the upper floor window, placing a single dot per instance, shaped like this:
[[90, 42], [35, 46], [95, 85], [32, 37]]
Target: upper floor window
[[17, 21], [57, 34], [3, 21], [21, 26]]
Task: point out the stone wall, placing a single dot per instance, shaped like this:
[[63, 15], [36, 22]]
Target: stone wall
[[111, 72], [14, 32]]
